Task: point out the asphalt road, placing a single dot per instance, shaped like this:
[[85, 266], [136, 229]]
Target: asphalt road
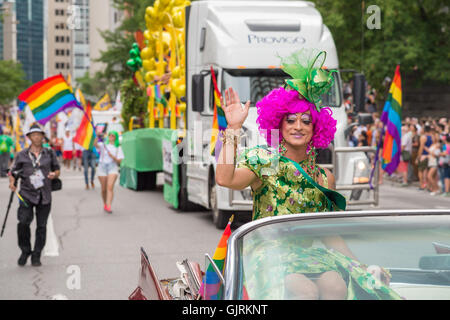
[[94, 255]]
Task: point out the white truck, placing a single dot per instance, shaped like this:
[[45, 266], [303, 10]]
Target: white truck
[[242, 41]]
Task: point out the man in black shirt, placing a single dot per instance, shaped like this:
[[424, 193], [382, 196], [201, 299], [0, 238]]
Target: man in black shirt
[[37, 166]]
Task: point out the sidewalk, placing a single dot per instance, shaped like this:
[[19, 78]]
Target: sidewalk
[[397, 181]]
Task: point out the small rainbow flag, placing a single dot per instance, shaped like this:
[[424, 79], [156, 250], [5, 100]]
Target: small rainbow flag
[[219, 120], [48, 97], [211, 286], [391, 117], [86, 134]]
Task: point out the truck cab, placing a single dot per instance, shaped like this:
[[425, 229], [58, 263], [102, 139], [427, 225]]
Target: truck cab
[[242, 41]]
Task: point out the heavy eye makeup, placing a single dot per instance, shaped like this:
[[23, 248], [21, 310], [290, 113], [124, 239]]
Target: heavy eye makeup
[[305, 118]]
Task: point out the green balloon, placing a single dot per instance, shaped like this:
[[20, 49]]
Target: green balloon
[[133, 54], [131, 64]]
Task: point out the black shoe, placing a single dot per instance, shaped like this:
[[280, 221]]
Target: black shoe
[[23, 259], [36, 260]]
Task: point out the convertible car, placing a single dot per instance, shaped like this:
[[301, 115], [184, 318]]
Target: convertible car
[[413, 246]]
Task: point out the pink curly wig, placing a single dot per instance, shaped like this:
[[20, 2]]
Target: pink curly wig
[[279, 102]]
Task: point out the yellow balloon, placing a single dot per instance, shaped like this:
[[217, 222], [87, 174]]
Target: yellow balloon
[[150, 12], [180, 39], [179, 2], [180, 91], [148, 35], [182, 107], [148, 77], [165, 19], [149, 64], [176, 72], [182, 51], [146, 53], [164, 3], [178, 20]]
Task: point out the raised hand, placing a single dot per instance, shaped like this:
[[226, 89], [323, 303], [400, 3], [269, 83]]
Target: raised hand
[[234, 113]]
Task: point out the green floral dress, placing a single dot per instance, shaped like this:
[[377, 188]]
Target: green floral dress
[[285, 190]]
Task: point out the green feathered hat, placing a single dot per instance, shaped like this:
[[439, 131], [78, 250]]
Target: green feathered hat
[[309, 77]]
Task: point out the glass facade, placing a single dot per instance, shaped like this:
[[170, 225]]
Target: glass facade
[[1, 30], [30, 38], [80, 37]]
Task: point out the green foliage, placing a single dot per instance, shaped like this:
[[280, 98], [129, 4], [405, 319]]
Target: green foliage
[[134, 102], [116, 75], [413, 34], [120, 41], [94, 88], [12, 81]]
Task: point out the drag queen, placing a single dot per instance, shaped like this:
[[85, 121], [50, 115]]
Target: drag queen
[[285, 179]]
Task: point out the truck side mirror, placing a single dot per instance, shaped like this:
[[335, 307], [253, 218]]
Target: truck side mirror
[[359, 92], [198, 92]]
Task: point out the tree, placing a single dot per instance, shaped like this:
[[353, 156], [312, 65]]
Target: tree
[[95, 87], [413, 33], [119, 43], [12, 81], [134, 102]]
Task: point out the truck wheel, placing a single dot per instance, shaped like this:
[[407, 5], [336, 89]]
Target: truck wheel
[[220, 217]]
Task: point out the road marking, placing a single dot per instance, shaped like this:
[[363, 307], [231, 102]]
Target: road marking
[[51, 248]]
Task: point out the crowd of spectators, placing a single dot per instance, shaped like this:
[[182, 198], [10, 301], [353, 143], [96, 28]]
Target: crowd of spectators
[[425, 151], [425, 145]]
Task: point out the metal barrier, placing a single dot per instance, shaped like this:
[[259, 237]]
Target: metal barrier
[[333, 168]]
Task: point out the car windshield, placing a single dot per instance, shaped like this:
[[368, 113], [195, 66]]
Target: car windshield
[[254, 84], [347, 258]]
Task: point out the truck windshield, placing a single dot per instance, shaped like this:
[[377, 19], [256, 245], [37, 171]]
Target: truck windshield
[[254, 84]]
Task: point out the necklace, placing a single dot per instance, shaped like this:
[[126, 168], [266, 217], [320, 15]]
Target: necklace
[[309, 164]]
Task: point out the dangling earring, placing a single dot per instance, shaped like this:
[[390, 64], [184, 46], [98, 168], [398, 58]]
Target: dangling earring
[[312, 168], [282, 149]]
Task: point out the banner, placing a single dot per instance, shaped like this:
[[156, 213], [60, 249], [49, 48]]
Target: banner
[[103, 104]]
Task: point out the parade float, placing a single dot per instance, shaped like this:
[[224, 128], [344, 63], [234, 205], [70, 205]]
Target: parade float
[[188, 56], [157, 60]]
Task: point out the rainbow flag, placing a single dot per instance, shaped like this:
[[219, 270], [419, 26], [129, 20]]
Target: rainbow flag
[[391, 117], [48, 97], [219, 120], [86, 134], [211, 286]]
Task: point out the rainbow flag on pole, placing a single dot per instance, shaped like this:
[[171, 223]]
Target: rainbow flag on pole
[[211, 286], [86, 134], [47, 98], [219, 120], [392, 119]]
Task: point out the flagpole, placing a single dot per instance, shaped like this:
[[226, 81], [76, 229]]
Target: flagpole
[[376, 159]]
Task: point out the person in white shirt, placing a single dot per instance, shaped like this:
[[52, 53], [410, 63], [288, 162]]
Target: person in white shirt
[[68, 149], [111, 155]]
